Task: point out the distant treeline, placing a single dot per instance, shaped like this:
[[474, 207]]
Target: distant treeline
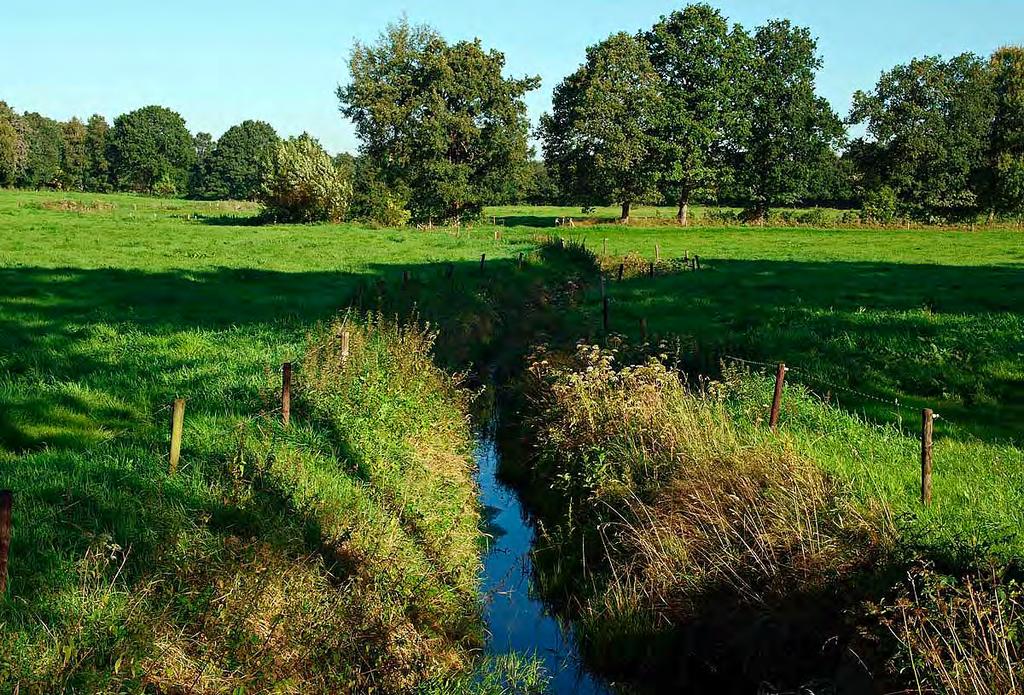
[[695, 109]]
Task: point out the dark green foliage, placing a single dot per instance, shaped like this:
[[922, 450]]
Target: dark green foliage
[[541, 188], [601, 138], [73, 156], [45, 143], [791, 132], [701, 63], [97, 135], [438, 120], [149, 146], [1006, 156], [13, 146], [929, 123], [235, 168]]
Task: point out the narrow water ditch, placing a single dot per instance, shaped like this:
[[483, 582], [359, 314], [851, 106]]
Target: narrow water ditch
[[517, 620]]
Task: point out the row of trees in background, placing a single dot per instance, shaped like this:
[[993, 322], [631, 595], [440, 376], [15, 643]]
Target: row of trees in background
[[695, 109], [149, 150]]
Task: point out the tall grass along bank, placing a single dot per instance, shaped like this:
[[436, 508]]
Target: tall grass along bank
[[685, 527]]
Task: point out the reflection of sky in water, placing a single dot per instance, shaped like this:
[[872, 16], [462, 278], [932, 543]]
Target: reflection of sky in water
[[516, 620]]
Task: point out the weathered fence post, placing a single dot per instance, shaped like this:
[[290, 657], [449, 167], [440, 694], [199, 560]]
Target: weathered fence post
[[696, 261], [345, 337], [483, 257], [651, 269], [657, 253], [622, 268], [177, 424], [780, 378], [6, 503], [604, 251], [286, 393], [520, 260], [604, 312], [927, 422]]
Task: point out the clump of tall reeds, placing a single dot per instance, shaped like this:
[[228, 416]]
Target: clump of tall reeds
[[685, 505]]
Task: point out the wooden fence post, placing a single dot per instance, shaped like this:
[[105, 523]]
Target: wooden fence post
[[483, 257], [6, 503], [780, 378], [604, 252], [696, 261], [345, 337], [622, 268], [286, 393], [520, 260], [657, 253], [177, 424], [927, 422], [651, 269], [604, 312]]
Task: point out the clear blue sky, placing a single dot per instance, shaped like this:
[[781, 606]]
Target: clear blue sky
[[220, 62]]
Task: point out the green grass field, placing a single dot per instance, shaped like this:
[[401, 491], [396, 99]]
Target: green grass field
[[110, 306]]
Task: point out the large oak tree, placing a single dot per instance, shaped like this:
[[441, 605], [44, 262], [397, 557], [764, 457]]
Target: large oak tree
[[701, 62], [791, 132], [439, 123], [601, 139], [928, 124], [148, 146]]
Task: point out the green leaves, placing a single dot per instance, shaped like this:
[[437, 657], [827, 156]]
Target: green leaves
[[237, 164], [928, 122], [149, 145], [601, 138], [303, 185], [438, 120]]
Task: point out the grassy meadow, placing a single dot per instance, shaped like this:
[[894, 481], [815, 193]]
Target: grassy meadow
[[113, 305]]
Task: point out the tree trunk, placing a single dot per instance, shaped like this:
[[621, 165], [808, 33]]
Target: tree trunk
[[684, 208], [625, 212]]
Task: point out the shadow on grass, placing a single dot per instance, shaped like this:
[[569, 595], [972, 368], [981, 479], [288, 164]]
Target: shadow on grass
[[91, 357]]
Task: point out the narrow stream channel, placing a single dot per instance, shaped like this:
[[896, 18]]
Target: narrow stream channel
[[517, 620]]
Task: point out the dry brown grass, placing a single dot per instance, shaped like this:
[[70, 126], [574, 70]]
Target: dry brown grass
[[958, 637]]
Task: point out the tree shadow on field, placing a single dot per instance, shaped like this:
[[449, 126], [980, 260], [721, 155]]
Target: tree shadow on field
[[92, 358], [932, 336]]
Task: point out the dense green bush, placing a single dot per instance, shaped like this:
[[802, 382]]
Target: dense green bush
[[880, 206], [304, 185]]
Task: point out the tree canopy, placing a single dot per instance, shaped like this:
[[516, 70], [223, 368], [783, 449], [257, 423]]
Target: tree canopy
[[1006, 152], [928, 125], [701, 63], [13, 145], [439, 123], [151, 146], [303, 185], [43, 154], [791, 131], [238, 162], [601, 137]]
